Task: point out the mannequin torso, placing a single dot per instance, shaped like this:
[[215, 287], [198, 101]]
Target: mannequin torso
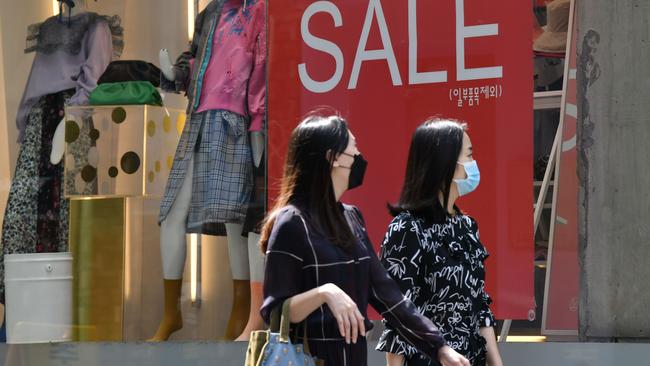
[[257, 138], [232, 44]]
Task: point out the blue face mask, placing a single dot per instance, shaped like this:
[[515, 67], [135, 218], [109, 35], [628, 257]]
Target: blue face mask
[[470, 183]]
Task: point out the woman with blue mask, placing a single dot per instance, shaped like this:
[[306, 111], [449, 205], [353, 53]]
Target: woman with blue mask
[[432, 249]]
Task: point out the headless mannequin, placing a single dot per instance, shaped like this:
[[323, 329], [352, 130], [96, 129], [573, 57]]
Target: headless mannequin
[[257, 137], [246, 261], [58, 141]]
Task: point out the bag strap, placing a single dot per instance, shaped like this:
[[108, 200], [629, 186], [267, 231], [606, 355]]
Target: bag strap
[[305, 341], [285, 322], [285, 325], [274, 326]]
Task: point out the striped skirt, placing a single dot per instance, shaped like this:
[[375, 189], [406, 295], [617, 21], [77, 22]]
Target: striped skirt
[[222, 179]]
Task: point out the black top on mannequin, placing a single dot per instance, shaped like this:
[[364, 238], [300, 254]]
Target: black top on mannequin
[[70, 4]]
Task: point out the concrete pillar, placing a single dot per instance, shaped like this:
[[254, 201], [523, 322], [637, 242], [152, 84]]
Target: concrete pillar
[[614, 169]]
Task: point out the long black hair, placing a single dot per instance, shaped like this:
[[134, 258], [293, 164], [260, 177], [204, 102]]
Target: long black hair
[[307, 182], [435, 148]]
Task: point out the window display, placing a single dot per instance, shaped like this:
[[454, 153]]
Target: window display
[[150, 175], [70, 55], [212, 177]]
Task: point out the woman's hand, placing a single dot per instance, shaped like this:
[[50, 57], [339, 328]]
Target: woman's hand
[[346, 312], [448, 357]]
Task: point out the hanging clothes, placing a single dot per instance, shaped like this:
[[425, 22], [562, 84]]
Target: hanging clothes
[[224, 76], [70, 57], [70, 54]]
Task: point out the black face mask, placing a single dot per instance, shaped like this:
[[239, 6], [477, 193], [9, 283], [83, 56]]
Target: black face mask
[[357, 171]]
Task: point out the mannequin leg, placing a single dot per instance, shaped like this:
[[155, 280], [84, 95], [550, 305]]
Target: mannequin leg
[[173, 248], [238, 253], [256, 261]]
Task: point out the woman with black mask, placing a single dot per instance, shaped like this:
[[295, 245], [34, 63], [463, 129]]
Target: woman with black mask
[[433, 251], [319, 256]]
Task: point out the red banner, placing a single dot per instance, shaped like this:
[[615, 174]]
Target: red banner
[[561, 313], [388, 65]]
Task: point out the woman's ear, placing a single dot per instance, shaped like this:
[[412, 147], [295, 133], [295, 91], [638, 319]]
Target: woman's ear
[[329, 155], [459, 173]]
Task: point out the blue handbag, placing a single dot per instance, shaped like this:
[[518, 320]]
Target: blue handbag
[[277, 349]]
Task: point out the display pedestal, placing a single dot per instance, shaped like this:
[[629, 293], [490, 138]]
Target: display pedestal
[[116, 279], [117, 163]]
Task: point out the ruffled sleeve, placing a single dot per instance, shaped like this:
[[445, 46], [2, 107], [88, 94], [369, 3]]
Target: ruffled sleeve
[[55, 35], [117, 34], [485, 315]]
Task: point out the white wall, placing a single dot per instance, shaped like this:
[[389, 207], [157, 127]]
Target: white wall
[[14, 20], [150, 25]]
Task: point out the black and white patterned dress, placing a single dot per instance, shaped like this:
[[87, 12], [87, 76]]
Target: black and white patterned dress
[[440, 268]]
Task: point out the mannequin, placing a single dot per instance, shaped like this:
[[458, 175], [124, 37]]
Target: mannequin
[[73, 7], [223, 46], [245, 259], [257, 137], [68, 8], [71, 53], [252, 227]]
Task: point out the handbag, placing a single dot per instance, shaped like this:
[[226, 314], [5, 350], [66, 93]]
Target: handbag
[[131, 70], [274, 348], [125, 93]]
